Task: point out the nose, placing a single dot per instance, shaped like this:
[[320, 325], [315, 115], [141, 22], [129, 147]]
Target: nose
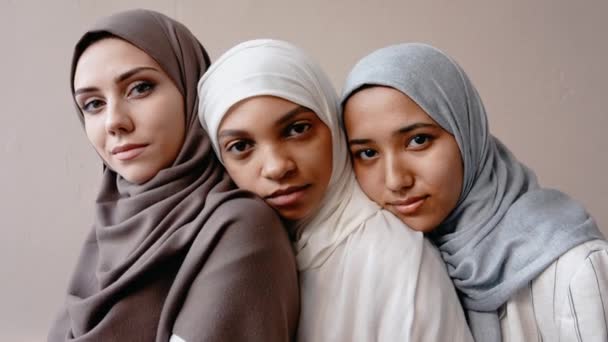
[[398, 176], [118, 120], [277, 164]]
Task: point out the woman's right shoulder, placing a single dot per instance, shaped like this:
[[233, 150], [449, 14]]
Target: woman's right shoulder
[[387, 231], [408, 272], [394, 246], [251, 213]]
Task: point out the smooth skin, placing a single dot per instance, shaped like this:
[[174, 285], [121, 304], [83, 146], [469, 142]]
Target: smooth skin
[[133, 112], [403, 159], [279, 150]]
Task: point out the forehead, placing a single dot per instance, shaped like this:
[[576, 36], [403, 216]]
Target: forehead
[[256, 114], [380, 108], [107, 58]]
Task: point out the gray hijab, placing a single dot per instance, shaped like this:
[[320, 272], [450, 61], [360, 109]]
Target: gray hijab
[[505, 229], [158, 260]]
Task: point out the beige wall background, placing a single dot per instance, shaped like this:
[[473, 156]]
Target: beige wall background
[[540, 67]]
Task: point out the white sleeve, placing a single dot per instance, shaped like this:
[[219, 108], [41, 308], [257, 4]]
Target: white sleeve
[[584, 315]]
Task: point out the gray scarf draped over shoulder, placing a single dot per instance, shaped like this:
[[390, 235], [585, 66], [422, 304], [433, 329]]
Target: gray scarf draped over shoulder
[[505, 229]]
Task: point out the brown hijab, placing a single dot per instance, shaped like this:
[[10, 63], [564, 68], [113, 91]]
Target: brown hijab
[[184, 253]]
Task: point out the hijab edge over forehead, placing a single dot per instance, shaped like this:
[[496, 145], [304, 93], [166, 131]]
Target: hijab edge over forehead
[[174, 48], [119, 26], [438, 85], [490, 240], [150, 228], [343, 207]]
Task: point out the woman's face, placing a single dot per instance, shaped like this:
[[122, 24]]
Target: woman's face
[[403, 159], [133, 112], [278, 150]]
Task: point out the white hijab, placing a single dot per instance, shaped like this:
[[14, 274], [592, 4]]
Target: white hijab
[[364, 276], [277, 68]]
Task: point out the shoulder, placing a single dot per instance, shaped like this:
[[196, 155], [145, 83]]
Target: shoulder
[[387, 231], [578, 268], [401, 249], [586, 265], [581, 290], [588, 257], [569, 296], [249, 217], [585, 303], [408, 271]]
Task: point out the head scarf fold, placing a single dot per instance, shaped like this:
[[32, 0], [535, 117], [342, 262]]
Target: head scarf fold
[[505, 229], [140, 259], [277, 68]]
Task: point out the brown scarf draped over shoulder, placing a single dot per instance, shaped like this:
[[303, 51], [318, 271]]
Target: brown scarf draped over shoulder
[[184, 253]]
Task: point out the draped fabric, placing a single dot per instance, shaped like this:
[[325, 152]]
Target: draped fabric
[[364, 276], [184, 253], [505, 229]]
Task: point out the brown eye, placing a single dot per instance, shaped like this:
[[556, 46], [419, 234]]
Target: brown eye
[[239, 147], [297, 128], [141, 88], [366, 154], [419, 141], [92, 106]]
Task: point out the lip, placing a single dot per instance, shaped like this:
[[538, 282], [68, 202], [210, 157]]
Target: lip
[[127, 151], [287, 196], [409, 205]]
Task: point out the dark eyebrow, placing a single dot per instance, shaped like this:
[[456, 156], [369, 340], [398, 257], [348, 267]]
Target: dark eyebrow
[[231, 133], [412, 127], [400, 131], [286, 117], [290, 114], [359, 141], [118, 79]]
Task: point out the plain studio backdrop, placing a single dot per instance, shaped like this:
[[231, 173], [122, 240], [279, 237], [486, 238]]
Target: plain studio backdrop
[[540, 67]]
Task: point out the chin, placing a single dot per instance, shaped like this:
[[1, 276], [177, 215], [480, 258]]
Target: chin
[[424, 228], [137, 178], [293, 215], [416, 224], [290, 216]]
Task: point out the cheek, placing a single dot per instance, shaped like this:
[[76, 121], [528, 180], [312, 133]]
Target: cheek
[[242, 174], [444, 174], [170, 122], [96, 134]]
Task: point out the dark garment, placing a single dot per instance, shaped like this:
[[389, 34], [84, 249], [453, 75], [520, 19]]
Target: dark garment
[[184, 253]]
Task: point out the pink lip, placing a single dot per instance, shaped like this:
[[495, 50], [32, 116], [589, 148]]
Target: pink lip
[[408, 206], [287, 196], [128, 151]]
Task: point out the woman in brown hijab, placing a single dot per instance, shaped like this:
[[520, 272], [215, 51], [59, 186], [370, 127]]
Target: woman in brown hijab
[[175, 252]]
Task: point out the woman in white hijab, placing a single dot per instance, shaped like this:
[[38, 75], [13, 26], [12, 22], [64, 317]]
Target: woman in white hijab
[[273, 118]]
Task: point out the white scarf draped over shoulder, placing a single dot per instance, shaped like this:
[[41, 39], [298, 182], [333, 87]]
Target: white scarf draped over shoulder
[[277, 68], [364, 276]]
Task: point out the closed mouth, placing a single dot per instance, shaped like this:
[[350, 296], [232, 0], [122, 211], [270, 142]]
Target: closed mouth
[[128, 151], [409, 205], [287, 196]]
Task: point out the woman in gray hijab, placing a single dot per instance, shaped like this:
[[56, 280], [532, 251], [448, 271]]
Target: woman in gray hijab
[[175, 253], [529, 262]]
